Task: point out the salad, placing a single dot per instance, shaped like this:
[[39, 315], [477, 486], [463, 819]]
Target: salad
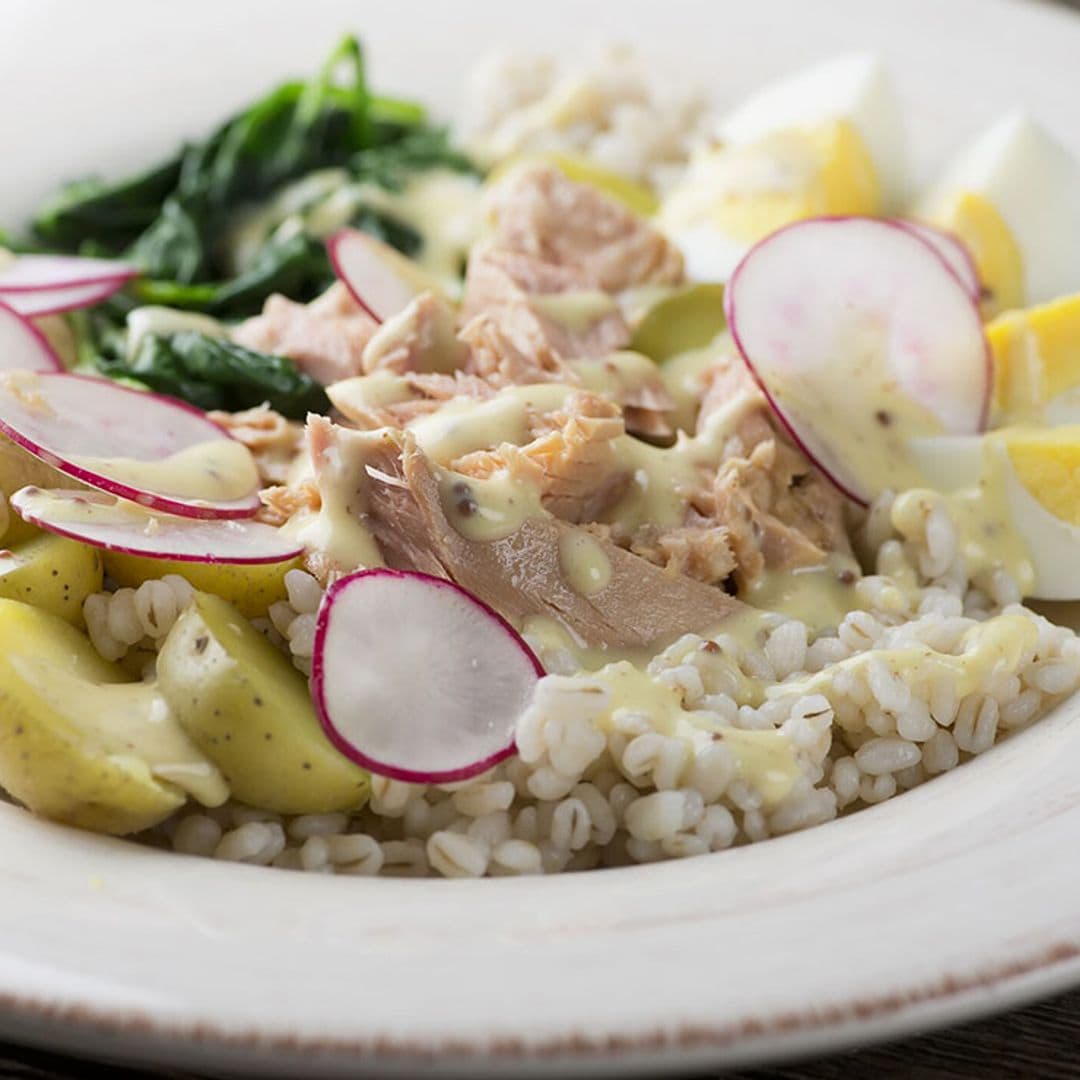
[[604, 480]]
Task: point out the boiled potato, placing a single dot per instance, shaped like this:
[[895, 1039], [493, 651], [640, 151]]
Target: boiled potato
[[69, 727], [18, 469], [249, 710], [251, 588], [51, 573]]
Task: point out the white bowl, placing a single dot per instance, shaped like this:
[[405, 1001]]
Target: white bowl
[[956, 899]]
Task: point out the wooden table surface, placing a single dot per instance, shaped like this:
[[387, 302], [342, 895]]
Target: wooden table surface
[[1041, 1041]]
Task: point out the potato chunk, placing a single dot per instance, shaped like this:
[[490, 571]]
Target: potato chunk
[[81, 746], [250, 711]]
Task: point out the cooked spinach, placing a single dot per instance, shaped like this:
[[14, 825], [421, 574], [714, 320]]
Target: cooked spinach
[[108, 217], [215, 373], [170, 220]]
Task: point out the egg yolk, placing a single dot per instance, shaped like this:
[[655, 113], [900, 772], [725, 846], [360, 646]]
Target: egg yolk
[[997, 257], [1036, 356], [749, 190], [1047, 462]]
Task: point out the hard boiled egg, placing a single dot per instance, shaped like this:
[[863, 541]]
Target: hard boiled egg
[[1013, 196], [1037, 363], [826, 141], [1015, 496]]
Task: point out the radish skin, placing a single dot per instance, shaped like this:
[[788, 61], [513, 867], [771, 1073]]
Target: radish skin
[[23, 347], [381, 280], [826, 309], [953, 251], [416, 679], [112, 524], [82, 425], [33, 273], [54, 301]]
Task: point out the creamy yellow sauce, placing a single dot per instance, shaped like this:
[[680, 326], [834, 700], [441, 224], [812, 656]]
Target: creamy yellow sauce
[[870, 419], [819, 596], [664, 478], [353, 397], [765, 759], [576, 309], [547, 636], [618, 374], [996, 644], [336, 528], [584, 563], [682, 378], [980, 513], [460, 427], [489, 509], [218, 470], [88, 508], [444, 207], [131, 720]]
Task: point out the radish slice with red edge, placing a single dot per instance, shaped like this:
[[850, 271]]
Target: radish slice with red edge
[[68, 298], [23, 346], [953, 250], [104, 521], [415, 679], [29, 273], [862, 339], [381, 280], [153, 450]]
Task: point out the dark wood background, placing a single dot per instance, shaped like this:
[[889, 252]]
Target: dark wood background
[[1042, 1041]]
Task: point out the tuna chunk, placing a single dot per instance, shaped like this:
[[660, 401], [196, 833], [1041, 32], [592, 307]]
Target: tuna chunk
[[388, 400], [325, 338], [504, 350], [541, 305], [574, 462], [700, 551], [778, 511], [421, 337], [729, 390], [521, 574], [272, 440], [539, 212]]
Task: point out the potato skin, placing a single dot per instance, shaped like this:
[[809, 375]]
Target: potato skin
[[251, 588], [47, 760], [52, 573], [249, 711]]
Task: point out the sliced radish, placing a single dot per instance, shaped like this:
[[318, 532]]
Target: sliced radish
[[382, 281], [68, 298], [953, 250], [416, 679], [104, 521], [862, 339], [29, 273], [154, 450], [23, 347]]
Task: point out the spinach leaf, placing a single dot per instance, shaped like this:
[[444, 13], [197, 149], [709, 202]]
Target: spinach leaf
[[215, 373], [173, 247], [296, 266], [421, 148], [110, 216]]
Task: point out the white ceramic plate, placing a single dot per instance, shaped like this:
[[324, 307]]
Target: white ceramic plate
[[954, 900]]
